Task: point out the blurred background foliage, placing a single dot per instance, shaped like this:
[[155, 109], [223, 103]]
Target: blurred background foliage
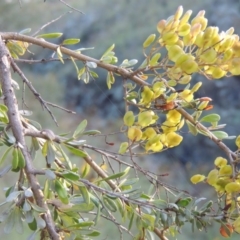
[[127, 24]]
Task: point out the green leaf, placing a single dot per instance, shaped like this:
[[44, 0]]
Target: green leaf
[[80, 129], [33, 225], [76, 151], [13, 196], [37, 208], [91, 132], [74, 63], [131, 221], [192, 129], [65, 157], [41, 224], [61, 191], [108, 51], [9, 223], [21, 159], [110, 79], [93, 234], [110, 204], [26, 30], [85, 194], [210, 118], [117, 175], [5, 155], [70, 176], [50, 174], [220, 134], [50, 153], [59, 54], [71, 41], [183, 202], [49, 35], [83, 207], [18, 220], [15, 158], [91, 64], [81, 72], [81, 224]]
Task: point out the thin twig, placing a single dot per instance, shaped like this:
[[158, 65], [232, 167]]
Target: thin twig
[[32, 61], [30, 86], [75, 9], [47, 24], [62, 108]]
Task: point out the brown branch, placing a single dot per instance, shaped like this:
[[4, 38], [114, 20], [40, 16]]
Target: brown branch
[[17, 129]]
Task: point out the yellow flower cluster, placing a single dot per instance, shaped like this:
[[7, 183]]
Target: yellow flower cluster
[[153, 138], [195, 47]]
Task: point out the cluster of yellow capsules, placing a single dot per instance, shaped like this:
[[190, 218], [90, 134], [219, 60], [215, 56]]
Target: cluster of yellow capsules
[[195, 47]]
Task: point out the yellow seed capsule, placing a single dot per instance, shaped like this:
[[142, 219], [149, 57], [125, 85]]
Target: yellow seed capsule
[[225, 170], [178, 13], [145, 118], [185, 79], [212, 177], [174, 52], [196, 87], [134, 133], [237, 142], [128, 118], [173, 139], [186, 95], [195, 29], [150, 39], [169, 38], [209, 56], [232, 187], [189, 66], [184, 29], [197, 178], [218, 73], [234, 68], [189, 39], [185, 18], [230, 31], [149, 133], [202, 105], [174, 116], [161, 26]]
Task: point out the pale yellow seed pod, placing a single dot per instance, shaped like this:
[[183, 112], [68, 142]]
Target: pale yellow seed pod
[[195, 29], [161, 25], [196, 87], [184, 29], [230, 31], [202, 105], [134, 133], [174, 52], [189, 66], [178, 13], [199, 41], [234, 68], [218, 73], [209, 56], [169, 38], [189, 39], [185, 17]]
